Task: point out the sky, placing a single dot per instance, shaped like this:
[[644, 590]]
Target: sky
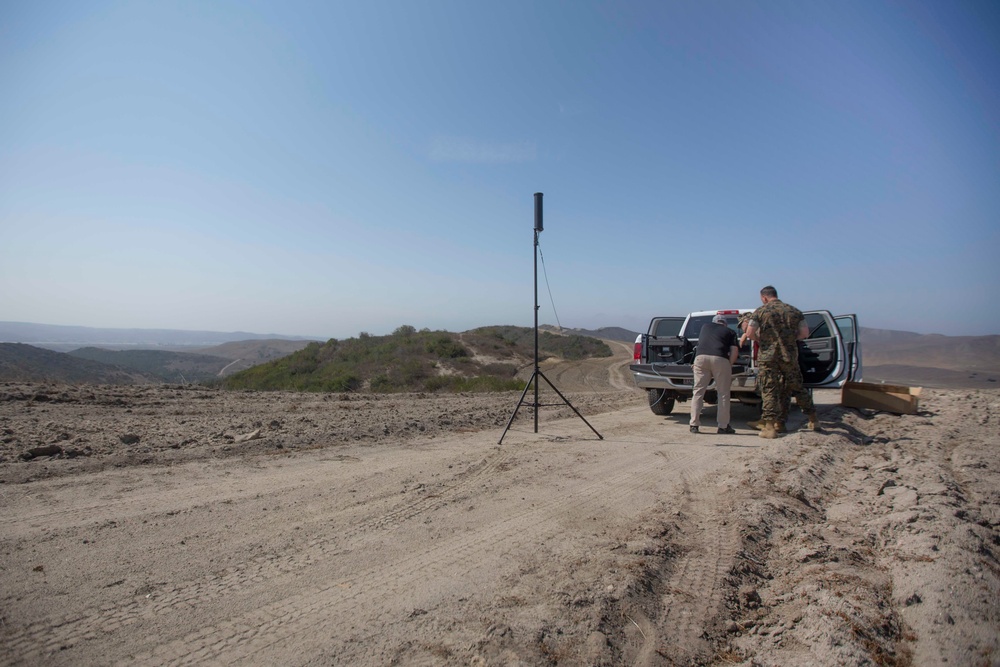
[[328, 168]]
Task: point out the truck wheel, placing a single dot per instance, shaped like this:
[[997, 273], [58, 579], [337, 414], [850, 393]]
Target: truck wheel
[[658, 403]]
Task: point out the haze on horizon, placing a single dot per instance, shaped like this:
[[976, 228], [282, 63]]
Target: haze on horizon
[[321, 169]]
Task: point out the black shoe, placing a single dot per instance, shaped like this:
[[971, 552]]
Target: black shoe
[[729, 430], [694, 429]]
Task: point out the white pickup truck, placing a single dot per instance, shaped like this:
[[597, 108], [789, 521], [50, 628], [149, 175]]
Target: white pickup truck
[[664, 355]]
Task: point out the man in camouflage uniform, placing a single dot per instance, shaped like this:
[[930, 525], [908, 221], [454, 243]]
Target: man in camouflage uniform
[[744, 321], [795, 389], [777, 327]]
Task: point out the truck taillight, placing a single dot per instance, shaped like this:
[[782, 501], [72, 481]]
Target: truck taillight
[[637, 353], [728, 312]]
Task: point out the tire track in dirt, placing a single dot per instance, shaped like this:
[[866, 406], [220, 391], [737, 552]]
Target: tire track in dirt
[[594, 375], [266, 633], [619, 376], [49, 634], [48, 512], [212, 491], [694, 592]]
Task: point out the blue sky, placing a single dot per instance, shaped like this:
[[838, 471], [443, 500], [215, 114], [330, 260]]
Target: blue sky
[[327, 168]]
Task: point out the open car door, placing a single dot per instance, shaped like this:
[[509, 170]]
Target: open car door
[[831, 355], [848, 326]]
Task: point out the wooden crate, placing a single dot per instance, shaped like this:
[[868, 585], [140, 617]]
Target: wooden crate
[[896, 398]]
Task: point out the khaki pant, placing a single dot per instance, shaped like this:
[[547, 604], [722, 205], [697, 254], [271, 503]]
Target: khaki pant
[[706, 369]]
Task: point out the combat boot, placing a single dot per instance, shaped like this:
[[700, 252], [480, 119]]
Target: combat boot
[[813, 424], [759, 424], [768, 431]]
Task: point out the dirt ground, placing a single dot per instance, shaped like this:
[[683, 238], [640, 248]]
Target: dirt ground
[[181, 525]]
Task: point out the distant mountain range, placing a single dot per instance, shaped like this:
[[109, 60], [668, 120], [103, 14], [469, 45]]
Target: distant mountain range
[[931, 360], [21, 362], [65, 338], [50, 353]]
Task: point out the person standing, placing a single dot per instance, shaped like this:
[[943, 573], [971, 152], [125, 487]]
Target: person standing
[[795, 389], [777, 327], [717, 352]]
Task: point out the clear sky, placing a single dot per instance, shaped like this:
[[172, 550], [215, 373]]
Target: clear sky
[[326, 168]]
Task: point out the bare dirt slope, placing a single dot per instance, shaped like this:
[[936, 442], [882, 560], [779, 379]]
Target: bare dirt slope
[[169, 525]]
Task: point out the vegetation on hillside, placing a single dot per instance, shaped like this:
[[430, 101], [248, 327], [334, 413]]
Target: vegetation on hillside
[[168, 366], [485, 359], [520, 341]]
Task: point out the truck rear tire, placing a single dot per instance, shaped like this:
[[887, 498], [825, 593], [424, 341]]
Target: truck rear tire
[[658, 403]]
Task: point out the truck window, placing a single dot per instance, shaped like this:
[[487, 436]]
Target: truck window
[[695, 324], [666, 328], [847, 332], [818, 326]]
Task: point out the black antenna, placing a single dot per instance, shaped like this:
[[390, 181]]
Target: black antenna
[[538, 211], [533, 380]]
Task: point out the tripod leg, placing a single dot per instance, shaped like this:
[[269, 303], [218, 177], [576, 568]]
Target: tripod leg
[[566, 401], [510, 421]]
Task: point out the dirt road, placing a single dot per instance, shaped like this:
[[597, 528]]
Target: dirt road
[[187, 526]]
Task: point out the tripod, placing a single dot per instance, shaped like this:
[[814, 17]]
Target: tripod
[[537, 373]]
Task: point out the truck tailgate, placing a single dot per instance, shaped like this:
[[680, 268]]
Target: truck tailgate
[[678, 371], [680, 377], [675, 371]]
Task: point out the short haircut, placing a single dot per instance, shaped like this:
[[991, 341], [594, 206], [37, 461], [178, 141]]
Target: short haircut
[[769, 291]]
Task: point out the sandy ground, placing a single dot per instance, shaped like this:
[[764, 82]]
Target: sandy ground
[[172, 525]]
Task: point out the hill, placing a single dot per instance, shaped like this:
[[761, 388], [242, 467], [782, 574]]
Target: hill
[[603, 333], [166, 366], [245, 354], [186, 367], [931, 360], [94, 365], [883, 346], [481, 359], [25, 363], [487, 358]]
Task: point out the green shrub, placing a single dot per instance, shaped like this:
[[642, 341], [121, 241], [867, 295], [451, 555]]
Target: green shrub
[[446, 348]]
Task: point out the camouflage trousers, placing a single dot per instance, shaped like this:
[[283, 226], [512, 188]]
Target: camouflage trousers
[[778, 384]]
